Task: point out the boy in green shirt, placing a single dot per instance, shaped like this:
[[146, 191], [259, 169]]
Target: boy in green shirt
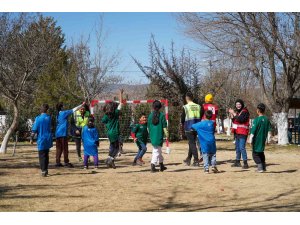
[[157, 126], [139, 133], [112, 125], [258, 137]]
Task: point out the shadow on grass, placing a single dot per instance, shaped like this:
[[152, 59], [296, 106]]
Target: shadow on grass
[[266, 204], [136, 171], [173, 164], [182, 170], [284, 171]]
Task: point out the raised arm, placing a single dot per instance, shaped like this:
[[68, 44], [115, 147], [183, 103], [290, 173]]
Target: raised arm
[[120, 99], [78, 107]]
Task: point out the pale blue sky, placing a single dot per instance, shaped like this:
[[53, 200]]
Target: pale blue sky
[[128, 32]]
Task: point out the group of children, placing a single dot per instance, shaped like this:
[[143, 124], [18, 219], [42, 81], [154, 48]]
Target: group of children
[[153, 127]]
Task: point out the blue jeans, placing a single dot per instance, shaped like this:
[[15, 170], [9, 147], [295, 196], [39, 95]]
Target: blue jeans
[[240, 147], [142, 150], [210, 159]]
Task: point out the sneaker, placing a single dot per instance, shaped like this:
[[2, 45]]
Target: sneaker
[[196, 163], [206, 171], [259, 171], [162, 167], [187, 162], [200, 160], [70, 165], [108, 162], [59, 165], [142, 161], [153, 169], [96, 167], [80, 159], [236, 164], [113, 164], [134, 163], [44, 173], [245, 165], [215, 169], [139, 162], [85, 167]]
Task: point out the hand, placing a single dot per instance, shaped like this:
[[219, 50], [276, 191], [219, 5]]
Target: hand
[[231, 111], [77, 132], [121, 91]]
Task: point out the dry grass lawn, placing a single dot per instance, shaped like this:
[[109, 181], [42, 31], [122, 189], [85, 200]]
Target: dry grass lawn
[[134, 188]]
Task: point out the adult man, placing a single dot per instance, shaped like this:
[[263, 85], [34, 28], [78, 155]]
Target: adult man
[[241, 124], [81, 119], [191, 114], [42, 127]]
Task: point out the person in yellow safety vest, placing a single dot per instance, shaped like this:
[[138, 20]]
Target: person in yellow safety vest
[[81, 119], [191, 114]]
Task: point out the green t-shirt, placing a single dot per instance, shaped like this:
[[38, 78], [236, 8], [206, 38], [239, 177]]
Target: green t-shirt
[[141, 132], [112, 126], [261, 127], [156, 131]]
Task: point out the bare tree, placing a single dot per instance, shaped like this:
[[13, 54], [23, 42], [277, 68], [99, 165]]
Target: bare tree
[[172, 74], [266, 44], [27, 44], [95, 69]]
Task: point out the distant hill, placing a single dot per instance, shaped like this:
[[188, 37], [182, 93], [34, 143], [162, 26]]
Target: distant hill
[[132, 91]]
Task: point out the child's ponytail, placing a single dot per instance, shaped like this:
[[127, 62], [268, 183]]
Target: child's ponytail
[[156, 106]]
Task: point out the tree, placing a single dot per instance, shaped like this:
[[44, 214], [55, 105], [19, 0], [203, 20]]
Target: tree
[[94, 70], [58, 83], [174, 75], [265, 44], [28, 43]]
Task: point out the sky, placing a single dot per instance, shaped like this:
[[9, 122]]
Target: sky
[[128, 33]]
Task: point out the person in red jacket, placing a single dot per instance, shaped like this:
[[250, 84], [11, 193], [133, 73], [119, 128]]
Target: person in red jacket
[[241, 124], [208, 105]]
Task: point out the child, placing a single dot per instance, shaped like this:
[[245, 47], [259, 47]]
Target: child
[[42, 127], [259, 132], [90, 138], [206, 135], [157, 126], [61, 133], [111, 121], [139, 134]]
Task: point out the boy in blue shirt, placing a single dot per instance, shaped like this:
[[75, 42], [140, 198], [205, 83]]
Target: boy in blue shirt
[[206, 134], [61, 133], [42, 127], [90, 138]]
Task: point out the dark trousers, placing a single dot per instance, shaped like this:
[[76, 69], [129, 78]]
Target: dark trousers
[[114, 149], [192, 138], [78, 146], [259, 157], [62, 147], [44, 159]]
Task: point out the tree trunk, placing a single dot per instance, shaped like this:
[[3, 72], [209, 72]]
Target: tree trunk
[[281, 120], [11, 129]]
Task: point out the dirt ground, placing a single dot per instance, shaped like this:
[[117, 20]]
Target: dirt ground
[[134, 188]]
